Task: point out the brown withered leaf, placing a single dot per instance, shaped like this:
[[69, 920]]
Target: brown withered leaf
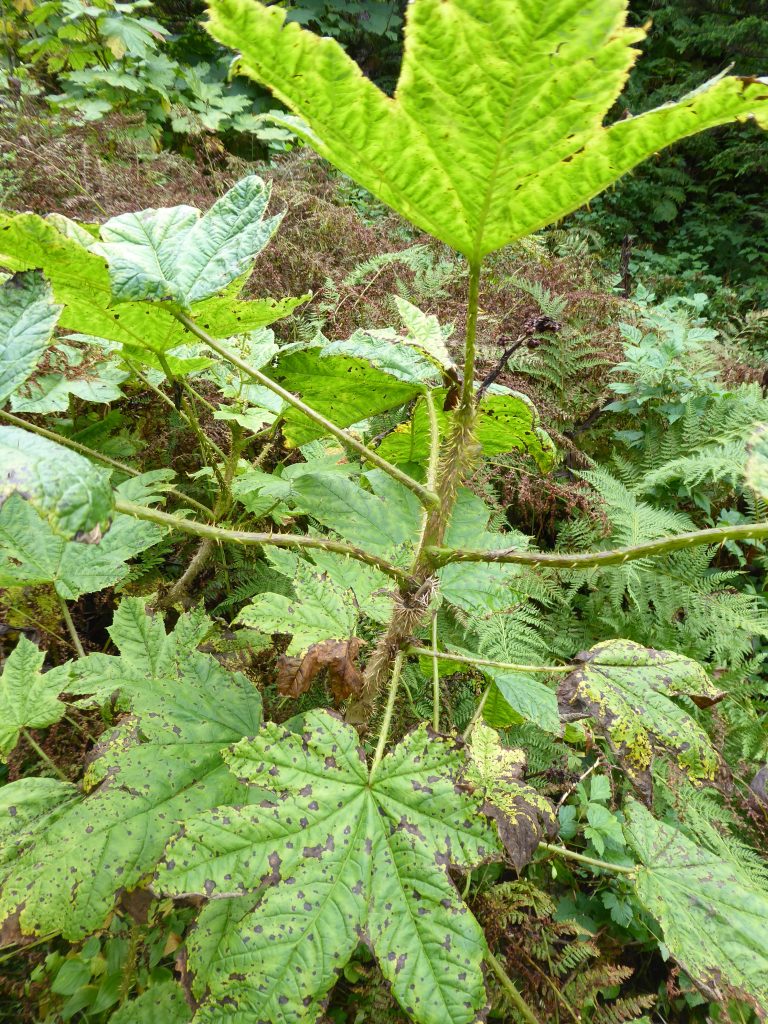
[[296, 675]]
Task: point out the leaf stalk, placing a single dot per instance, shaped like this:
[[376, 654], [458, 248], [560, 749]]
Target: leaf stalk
[[590, 559], [387, 719], [582, 858], [281, 540], [428, 498], [465, 659]]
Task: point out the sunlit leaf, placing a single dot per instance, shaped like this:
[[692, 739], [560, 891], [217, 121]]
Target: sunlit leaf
[[495, 128], [28, 315]]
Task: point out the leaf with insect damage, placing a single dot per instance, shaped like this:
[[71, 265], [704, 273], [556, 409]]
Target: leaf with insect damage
[[506, 422], [161, 764], [497, 125], [627, 689], [346, 855], [296, 675], [81, 283], [318, 611], [522, 815], [714, 919], [345, 389], [162, 1002]]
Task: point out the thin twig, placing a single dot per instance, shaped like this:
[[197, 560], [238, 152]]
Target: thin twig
[[578, 782], [582, 858], [478, 713], [505, 357], [43, 756]]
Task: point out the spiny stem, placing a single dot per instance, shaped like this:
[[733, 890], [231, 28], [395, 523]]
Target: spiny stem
[[281, 540], [435, 677], [589, 559], [428, 498], [91, 453], [43, 756], [70, 626], [465, 659], [387, 719], [509, 987], [473, 301], [582, 858], [434, 440], [478, 713]]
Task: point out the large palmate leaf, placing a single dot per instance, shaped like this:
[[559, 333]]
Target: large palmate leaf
[[31, 553], [69, 492], [319, 610], [346, 856], [28, 315], [714, 920], [161, 765], [331, 593], [496, 125], [627, 690], [81, 283], [28, 697], [176, 253], [522, 815]]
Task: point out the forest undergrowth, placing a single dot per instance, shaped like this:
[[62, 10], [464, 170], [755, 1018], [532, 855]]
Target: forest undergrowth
[[347, 591]]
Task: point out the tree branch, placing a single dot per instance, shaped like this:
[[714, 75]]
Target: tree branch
[[280, 540], [589, 559]]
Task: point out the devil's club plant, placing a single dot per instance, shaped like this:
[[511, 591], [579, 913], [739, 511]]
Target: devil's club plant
[[301, 844]]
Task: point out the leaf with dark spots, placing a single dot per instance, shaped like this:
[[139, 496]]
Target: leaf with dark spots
[[627, 689], [713, 917], [522, 815], [361, 855], [296, 675], [66, 867]]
